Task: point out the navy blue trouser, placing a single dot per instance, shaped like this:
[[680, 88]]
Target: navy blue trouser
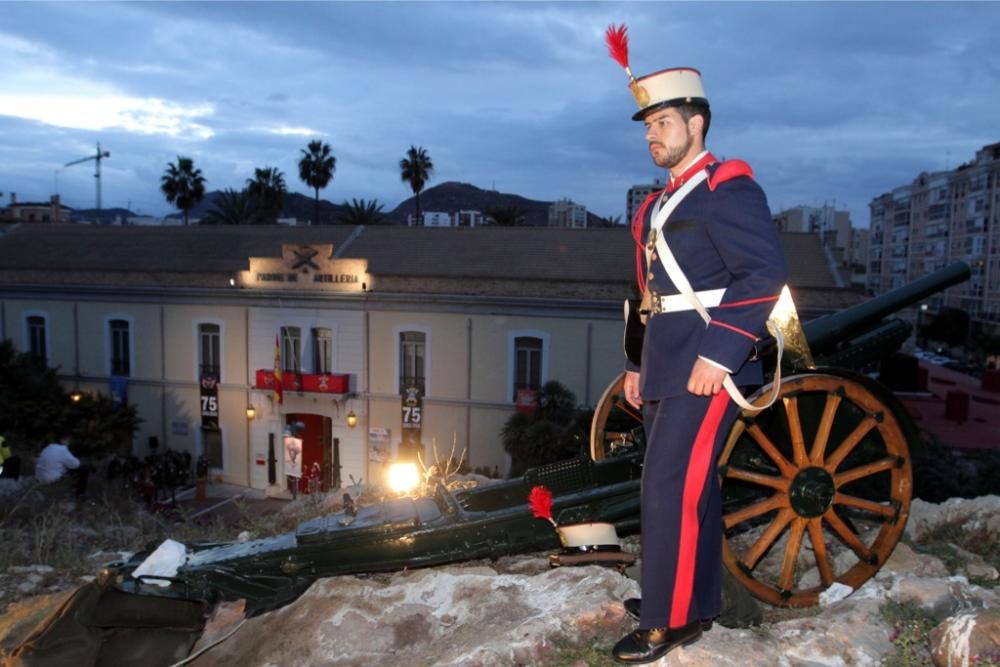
[[681, 508]]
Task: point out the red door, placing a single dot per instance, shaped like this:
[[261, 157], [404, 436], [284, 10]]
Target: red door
[[312, 436]]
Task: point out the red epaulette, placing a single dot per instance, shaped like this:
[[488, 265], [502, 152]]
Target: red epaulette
[[727, 171]]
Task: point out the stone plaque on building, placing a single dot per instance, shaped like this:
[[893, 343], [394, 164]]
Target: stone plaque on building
[[307, 267]]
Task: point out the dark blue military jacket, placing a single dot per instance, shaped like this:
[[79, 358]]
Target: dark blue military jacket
[[721, 235]]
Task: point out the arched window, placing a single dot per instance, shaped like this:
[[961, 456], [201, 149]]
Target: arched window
[[291, 349], [413, 360], [36, 338], [209, 357], [527, 363], [121, 364]]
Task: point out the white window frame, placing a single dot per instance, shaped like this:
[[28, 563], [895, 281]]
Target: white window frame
[[397, 355], [196, 326], [512, 337], [294, 368], [27, 331], [108, 343], [313, 338]]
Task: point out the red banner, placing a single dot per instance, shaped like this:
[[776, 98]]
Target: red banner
[[313, 383]]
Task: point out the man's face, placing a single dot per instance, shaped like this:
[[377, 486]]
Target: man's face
[[670, 138]]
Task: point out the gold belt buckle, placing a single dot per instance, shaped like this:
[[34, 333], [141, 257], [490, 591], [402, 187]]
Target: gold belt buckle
[[656, 304]]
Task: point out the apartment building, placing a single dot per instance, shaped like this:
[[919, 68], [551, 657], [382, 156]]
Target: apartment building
[[567, 214], [940, 218], [638, 194]]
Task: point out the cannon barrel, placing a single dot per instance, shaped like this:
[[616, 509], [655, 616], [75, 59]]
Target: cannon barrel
[[826, 332]]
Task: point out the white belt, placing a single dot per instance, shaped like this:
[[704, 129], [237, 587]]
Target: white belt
[[674, 303]]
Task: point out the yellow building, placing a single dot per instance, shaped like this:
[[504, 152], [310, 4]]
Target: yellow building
[[188, 320], [467, 316]]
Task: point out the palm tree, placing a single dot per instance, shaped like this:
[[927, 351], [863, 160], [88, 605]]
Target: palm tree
[[416, 169], [556, 431], [183, 185], [316, 169], [361, 212], [234, 207], [267, 187]]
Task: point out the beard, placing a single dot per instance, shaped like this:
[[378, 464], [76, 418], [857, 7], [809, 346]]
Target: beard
[[672, 155]]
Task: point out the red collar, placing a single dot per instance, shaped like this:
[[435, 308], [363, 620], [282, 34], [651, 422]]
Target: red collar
[[705, 160]]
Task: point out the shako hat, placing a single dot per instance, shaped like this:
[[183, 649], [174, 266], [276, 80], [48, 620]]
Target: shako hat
[[666, 88], [585, 537]]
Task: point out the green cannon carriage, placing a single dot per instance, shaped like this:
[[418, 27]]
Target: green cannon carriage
[[816, 488]]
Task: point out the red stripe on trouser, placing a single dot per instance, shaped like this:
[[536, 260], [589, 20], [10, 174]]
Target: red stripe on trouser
[[694, 484]]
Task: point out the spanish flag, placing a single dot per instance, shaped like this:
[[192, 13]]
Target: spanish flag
[[277, 371]]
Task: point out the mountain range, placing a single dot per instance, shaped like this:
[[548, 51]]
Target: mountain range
[[450, 197]]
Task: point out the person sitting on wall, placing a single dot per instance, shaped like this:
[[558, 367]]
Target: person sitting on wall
[[10, 466], [56, 462]]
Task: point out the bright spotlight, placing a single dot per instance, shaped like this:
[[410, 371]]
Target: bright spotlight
[[403, 478]]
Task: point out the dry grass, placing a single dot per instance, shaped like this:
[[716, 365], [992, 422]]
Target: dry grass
[[45, 525]]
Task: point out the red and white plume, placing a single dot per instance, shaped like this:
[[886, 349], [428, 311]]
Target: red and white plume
[[540, 500], [617, 40]]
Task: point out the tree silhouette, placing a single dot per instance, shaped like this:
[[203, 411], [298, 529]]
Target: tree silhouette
[[506, 216], [316, 169], [557, 430], [183, 185], [361, 212], [416, 169], [234, 207], [267, 187]]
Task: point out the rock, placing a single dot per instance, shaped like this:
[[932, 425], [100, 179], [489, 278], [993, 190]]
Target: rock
[[964, 639], [457, 616], [981, 570], [28, 569], [906, 560], [941, 597], [981, 515]]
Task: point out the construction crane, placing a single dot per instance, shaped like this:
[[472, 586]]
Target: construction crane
[[97, 172]]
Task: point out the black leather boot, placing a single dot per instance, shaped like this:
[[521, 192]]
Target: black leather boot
[[633, 605], [643, 646]]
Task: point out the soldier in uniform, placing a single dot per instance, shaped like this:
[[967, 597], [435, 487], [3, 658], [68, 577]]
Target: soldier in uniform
[[718, 232]]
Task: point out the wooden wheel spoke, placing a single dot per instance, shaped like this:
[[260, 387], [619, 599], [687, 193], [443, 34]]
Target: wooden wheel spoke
[[848, 445], [866, 470], [819, 548], [770, 481], [795, 432], [816, 456], [784, 465], [787, 577], [764, 542], [777, 501], [848, 535], [886, 511]]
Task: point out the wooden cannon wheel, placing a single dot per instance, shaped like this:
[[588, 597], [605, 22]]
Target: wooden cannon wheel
[[828, 461]]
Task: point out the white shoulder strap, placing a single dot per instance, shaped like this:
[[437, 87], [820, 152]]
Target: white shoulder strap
[[676, 275]]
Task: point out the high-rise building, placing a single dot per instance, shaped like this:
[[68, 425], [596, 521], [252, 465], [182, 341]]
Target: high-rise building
[[940, 218], [636, 195], [566, 213]]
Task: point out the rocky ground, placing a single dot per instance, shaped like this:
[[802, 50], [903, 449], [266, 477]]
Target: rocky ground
[[936, 602]]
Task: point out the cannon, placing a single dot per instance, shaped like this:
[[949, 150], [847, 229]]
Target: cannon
[[816, 488], [816, 492]]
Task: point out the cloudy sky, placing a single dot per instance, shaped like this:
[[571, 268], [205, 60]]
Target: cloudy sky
[[830, 102]]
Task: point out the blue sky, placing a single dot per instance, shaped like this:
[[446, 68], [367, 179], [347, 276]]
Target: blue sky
[[830, 102]]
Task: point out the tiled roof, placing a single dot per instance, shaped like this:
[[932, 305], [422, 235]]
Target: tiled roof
[[601, 256]]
